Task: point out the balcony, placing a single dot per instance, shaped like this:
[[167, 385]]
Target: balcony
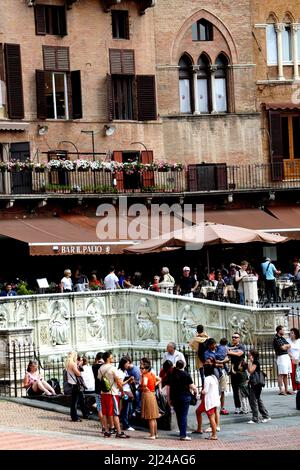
[[143, 4], [112, 178]]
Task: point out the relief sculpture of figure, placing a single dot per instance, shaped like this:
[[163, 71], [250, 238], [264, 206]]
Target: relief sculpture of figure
[[3, 320], [59, 324], [95, 321], [188, 324], [146, 322]]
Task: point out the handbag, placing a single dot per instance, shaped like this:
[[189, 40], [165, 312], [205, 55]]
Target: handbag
[[193, 401], [80, 384], [161, 402], [297, 374], [258, 378]]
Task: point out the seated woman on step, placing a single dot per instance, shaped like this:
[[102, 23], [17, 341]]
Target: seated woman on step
[[35, 383]]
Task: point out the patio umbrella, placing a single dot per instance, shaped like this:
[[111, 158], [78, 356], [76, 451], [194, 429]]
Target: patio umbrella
[[197, 236]]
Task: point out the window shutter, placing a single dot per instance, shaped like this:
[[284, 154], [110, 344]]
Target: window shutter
[[56, 58], [14, 81], [40, 94], [40, 19], [110, 102], [118, 157], [1, 62], [62, 20], [148, 176], [76, 95], [121, 61], [146, 97], [128, 67], [193, 177], [221, 176], [276, 146]]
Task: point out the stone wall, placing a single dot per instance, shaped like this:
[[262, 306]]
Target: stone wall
[[91, 322]]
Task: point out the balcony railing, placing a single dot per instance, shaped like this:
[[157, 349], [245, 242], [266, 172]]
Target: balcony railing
[[226, 179]]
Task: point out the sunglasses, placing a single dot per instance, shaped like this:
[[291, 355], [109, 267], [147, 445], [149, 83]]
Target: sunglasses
[[142, 368], [235, 337]]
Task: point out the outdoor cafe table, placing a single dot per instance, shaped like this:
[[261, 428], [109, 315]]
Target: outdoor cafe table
[[228, 290], [282, 284]]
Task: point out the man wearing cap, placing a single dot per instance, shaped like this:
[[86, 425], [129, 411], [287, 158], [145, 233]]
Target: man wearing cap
[[187, 284], [268, 270]]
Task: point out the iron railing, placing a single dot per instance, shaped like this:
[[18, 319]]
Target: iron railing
[[262, 177], [15, 360]]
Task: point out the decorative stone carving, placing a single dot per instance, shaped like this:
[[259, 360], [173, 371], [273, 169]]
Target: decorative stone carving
[[3, 318], [213, 317], [44, 337], [42, 307], [244, 327], [81, 331], [95, 321], [188, 324], [146, 322], [21, 313], [59, 323], [267, 322]]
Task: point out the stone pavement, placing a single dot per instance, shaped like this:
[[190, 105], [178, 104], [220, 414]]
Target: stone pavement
[[45, 426]]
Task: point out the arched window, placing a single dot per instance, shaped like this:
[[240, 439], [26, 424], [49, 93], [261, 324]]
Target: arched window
[[221, 83], [203, 83], [185, 84], [202, 30]]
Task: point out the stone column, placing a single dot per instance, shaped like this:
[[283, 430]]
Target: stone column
[[250, 290], [295, 29], [166, 287], [213, 69], [279, 29], [195, 88]]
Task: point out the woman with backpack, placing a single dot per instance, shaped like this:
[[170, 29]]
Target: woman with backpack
[[255, 386]]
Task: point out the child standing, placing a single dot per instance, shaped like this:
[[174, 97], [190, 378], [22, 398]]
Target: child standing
[[221, 356], [243, 381], [210, 401]]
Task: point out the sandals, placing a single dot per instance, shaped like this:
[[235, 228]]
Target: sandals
[[281, 393], [197, 432], [290, 393], [211, 438]]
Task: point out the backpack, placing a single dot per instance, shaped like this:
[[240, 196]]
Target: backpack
[[201, 350], [264, 275], [105, 385], [55, 385]]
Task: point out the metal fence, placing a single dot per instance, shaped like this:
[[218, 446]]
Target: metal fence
[[264, 177], [15, 359]]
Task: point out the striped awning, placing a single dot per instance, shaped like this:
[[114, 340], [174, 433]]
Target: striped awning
[[13, 126]]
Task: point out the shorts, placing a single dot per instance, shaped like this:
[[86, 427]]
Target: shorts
[[110, 404], [31, 393], [201, 409], [98, 402], [223, 383], [284, 364]]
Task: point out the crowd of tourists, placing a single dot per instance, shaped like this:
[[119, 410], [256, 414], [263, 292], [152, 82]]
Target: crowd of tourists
[[128, 391]]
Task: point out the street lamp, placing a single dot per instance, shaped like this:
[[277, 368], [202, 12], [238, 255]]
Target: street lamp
[[69, 142], [92, 133], [141, 143]]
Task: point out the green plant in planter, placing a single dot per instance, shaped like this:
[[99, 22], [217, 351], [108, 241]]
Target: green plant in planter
[[22, 289]]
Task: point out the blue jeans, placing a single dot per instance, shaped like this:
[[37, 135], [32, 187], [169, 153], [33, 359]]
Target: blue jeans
[[181, 407], [126, 413], [242, 298]]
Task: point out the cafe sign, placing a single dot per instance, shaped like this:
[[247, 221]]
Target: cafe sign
[[64, 249]]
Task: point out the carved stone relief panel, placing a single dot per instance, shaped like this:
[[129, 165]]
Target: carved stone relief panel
[[21, 313], [95, 320], [187, 323], [81, 331], [59, 325], [146, 321], [214, 317]]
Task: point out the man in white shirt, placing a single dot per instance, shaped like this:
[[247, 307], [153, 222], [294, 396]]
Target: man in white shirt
[[111, 282], [173, 355]]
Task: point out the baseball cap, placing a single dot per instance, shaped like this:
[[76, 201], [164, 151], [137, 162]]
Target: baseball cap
[[186, 268]]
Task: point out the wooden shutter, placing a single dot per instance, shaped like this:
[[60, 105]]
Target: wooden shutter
[[276, 146], [62, 20], [221, 176], [146, 98], [40, 94], [40, 20], [2, 62], [147, 176], [110, 100], [76, 95], [193, 177], [121, 61], [56, 58], [118, 157], [14, 83]]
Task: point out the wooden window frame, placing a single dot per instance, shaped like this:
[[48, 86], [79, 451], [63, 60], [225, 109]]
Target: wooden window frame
[[45, 18], [116, 17], [209, 31]]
